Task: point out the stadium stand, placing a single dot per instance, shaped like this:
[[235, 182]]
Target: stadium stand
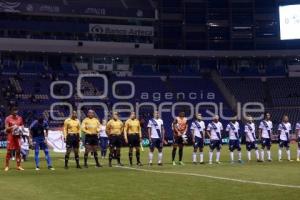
[[285, 91], [283, 95], [245, 90]]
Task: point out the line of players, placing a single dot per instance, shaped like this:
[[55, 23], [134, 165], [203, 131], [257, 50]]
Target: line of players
[[115, 131], [214, 132]]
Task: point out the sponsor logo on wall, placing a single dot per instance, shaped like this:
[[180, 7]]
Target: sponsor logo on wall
[[109, 29]]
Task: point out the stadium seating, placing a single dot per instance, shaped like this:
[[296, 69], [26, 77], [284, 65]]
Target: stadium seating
[[32, 67], [246, 90], [138, 4], [252, 71], [35, 93], [285, 91], [32, 89], [10, 66]]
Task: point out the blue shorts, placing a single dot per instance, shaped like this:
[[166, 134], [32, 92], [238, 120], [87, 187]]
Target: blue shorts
[[266, 142], [284, 143], [251, 145], [215, 144], [199, 143], [156, 143], [103, 142], [234, 144], [39, 143]]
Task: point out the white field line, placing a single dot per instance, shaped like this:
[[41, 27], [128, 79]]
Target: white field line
[[206, 176], [214, 177]]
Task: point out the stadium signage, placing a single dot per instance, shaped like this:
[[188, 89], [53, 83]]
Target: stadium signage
[[72, 8], [49, 9], [109, 29], [95, 11], [123, 106]]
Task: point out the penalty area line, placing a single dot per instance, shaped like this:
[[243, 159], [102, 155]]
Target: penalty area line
[[213, 177]]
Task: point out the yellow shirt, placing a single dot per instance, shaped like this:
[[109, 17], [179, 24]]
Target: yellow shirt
[[71, 126], [91, 126], [133, 127], [114, 127]]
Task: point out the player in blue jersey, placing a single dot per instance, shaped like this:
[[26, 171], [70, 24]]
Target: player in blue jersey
[[38, 134]]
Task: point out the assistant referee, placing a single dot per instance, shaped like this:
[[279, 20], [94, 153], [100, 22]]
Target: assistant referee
[[114, 130], [72, 138], [132, 136]]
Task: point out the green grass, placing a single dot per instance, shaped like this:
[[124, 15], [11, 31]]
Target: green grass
[[120, 183]]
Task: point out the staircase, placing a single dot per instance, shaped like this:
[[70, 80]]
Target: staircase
[[268, 97], [229, 97]]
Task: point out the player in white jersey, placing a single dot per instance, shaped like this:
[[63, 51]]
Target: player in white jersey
[[284, 130], [103, 139], [198, 135], [214, 131], [25, 146], [233, 129], [265, 133], [251, 140], [156, 135], [298, 140]]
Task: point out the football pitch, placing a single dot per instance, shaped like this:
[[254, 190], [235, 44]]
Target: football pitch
[[251, 180]]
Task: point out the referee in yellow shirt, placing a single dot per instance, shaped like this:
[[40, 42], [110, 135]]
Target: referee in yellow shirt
[[114, 130], [91, 127], [72, 138], [133, 136]]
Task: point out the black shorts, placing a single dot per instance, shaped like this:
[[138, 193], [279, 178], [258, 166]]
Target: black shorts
[[72, 141], [266, 142], [156, 143], [178, 140], [215, 144], [284, 143], [91, 139], [234, 144], [251, 145], [199, 142], [115, 141], [133, 140]]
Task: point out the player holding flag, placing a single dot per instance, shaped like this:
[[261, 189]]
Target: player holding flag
[[198, 135], [156, 134], [284, 129], [214, 130], [251, 141], [13, 127], [233, 129], [265, 131]]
